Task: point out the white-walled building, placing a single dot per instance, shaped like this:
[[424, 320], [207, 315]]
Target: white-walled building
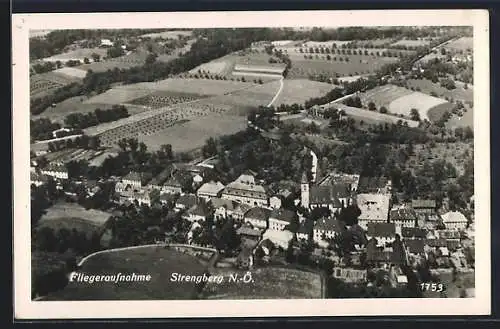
[[454, 220]]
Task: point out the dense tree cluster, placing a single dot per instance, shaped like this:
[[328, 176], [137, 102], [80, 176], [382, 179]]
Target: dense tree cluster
[[98, 116], [41, 129]]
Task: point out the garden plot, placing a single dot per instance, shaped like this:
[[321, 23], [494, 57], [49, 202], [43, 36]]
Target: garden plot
[[42, 84], [373, 116], [163, 99], [61, 211], [383, 95]]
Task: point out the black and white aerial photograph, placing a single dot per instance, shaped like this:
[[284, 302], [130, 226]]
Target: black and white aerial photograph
[[252, 163]]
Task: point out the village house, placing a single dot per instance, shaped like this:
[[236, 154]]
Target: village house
[[415, 247], [258, 217], [210, 190], [454, 220], [172, 185], [374, 208], [240, 210], [380, 256], [106, 43], [351, 180], [136, 179], [223, 208], [403, 217], [246, 190], [186, 201], [197, 213], [279, 219], [424, 207], [326, 229], [249, 233], [56, 171], [305, 230], [384, 233], [410, 233], [157, 182]]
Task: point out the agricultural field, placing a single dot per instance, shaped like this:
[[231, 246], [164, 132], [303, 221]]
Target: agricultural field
[[428, 87], [192, 134], [157, 261], [167, 34], [467, 120], [78, 104], [73, 216], [373, 117], [302, 68], [460, 44], [268, 283], [159, 99], [78, 54], [225, 65], [412, 43], [300, 90], [400, 101], [45, 83], [72, 72]]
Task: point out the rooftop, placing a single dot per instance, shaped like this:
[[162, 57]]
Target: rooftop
[[187, 200], [381, 229], [413, 232], [211, 188], [402, 214], [228, 204], [420, 203], [454, 217], [284, 215], [258, 213], [334, 225]]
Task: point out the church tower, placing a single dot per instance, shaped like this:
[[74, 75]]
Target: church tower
[[304, 191]]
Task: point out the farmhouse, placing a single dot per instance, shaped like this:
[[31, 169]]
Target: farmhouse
[[326, 229], [56, 171], [454, 220], [245, 190], [374, 208], [403, 217], [384, 233], [210, 190], [258, 217], [279, 219]]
